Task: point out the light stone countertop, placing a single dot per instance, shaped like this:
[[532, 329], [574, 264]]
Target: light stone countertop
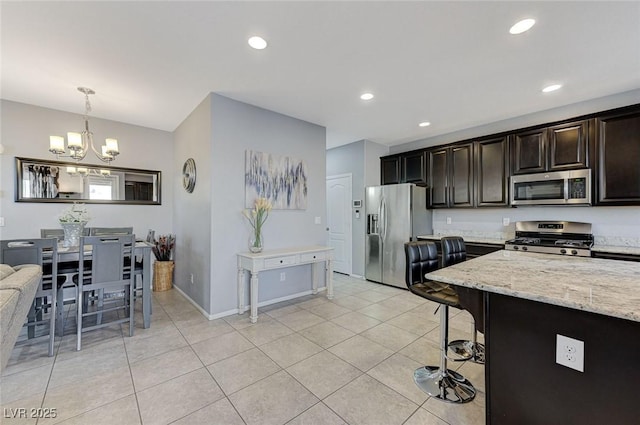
[[596, 285]]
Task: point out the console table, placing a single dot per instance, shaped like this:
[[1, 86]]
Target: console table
[[277, 259]]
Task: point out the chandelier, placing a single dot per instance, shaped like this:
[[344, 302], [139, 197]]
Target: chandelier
[[79, 143]]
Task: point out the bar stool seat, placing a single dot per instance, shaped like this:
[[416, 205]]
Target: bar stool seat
[[437, 381]]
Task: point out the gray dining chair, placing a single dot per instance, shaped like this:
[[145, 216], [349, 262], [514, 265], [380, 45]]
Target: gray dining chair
[[59, 233], [106, 273], [105, 231], [43, 252]]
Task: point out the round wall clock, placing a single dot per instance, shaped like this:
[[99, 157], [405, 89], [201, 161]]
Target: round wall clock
[[189, 175]]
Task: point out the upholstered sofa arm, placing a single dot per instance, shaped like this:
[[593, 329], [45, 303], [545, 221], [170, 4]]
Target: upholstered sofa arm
[[18, 288]]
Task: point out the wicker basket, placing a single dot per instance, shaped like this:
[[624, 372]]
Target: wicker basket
[[162, 275]]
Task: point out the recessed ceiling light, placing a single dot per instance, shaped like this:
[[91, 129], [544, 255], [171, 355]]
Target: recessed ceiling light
[[366, 96], [522, 26], [424, 124], [257, 43], [552, 87]]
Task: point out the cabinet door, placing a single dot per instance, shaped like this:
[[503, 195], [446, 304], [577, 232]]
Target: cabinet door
[[568, 146], [528, 151], [414, 168], [618, 150], [390, 170], [438, 179], [461, 176], [492, 172]]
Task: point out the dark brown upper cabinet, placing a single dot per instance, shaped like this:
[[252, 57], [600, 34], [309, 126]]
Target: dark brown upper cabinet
[[561, 147], [492, 172], [409, 167], [451, 176], [618, 159], [390, 169], [414, 168]]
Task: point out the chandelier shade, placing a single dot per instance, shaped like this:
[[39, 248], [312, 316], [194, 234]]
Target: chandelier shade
[[79, 144]]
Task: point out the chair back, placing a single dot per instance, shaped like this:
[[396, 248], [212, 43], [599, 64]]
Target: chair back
[[107, 231], [58, 233], [453, 250], [422, 257], [43, 252], [109, 256]]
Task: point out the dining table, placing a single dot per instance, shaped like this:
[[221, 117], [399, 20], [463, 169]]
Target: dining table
[[142, 250]]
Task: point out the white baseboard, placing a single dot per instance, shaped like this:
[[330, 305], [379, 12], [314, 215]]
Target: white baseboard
[[246, 308]]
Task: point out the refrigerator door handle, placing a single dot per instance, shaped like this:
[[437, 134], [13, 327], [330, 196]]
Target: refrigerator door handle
[[383, 218]]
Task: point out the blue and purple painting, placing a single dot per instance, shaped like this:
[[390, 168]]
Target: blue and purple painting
[[280, 179]]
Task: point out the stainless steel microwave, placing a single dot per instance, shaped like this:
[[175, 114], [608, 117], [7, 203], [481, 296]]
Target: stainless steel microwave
[[556, 188]]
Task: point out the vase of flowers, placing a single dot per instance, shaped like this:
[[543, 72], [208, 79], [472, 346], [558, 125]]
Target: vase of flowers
[[72, 220], [257, 217], [163, 267]]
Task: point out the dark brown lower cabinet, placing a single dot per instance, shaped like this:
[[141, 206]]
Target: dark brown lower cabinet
[[524, 383]]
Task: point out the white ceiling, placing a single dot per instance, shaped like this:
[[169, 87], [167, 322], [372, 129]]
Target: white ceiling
[[451, 63]]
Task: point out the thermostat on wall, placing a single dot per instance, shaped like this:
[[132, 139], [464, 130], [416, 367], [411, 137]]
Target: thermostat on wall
[[357, 203]]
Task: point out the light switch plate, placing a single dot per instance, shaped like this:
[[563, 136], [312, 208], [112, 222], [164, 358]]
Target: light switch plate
[[505, 221], [318, 220], [1, 221], [448, 220], [570, 352]]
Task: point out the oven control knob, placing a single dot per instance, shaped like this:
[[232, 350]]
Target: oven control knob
[[563, 251], [524, 248], [574, 252], [516, 247]]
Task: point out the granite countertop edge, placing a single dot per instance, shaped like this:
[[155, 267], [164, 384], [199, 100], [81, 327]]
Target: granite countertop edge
[[471, 274]]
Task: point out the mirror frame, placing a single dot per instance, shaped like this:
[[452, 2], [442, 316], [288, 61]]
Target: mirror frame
[[19, 196]]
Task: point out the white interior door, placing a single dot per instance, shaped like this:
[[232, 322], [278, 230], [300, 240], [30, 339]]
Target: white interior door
[[339, 235]]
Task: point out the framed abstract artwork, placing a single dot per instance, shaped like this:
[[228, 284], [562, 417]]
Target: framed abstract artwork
[[280, 179]]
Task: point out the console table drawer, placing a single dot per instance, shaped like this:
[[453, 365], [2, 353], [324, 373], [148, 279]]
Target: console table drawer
[[280, 261], [314, 256]]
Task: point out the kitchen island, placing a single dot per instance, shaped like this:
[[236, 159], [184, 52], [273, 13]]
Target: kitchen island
[[529, 300]]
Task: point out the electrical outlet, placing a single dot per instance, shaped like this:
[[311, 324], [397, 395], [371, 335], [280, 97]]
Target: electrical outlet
[[570, 352], [505, 221], [448, 220], [283, 276], [318, 220], [191, 278], [1, 221]]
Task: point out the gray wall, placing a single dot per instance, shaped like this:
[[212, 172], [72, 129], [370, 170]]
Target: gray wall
[[25, 132], [192, 211], [549, 115], [362, 160], [235, 128]]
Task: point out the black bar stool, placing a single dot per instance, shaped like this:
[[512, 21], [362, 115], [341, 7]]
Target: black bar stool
[[437, 381], [454, 251]]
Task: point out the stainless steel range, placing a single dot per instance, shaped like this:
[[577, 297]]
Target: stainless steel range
[[552, 237]]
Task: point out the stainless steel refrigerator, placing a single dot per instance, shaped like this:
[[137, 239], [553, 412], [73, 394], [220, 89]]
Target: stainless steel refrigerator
[[395, 214]]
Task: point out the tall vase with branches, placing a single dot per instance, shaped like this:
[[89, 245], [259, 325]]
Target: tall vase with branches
[[257, 217]]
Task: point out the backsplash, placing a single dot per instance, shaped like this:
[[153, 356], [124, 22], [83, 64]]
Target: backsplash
[[612, 226]]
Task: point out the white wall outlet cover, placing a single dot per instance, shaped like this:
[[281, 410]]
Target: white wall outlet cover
[[318, 220], [570, 352], [448, 220], [506, 221]]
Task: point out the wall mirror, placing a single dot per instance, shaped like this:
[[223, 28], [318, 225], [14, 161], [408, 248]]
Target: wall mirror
[[39, 180]]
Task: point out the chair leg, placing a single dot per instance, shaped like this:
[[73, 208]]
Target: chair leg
[[52, 320], [80, 298], [132, 305], [442, 383], [31, 317]]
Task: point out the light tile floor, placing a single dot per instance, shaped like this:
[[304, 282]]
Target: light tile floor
[[306, 361]]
